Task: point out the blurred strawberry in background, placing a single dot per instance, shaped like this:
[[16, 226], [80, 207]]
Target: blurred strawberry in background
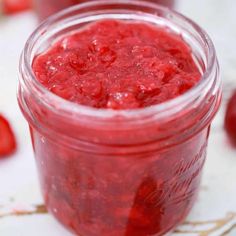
[[7, 138], [8, 7], [230, 118]]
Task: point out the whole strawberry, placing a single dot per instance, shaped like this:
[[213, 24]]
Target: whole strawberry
[[230, 118], [7, 138]]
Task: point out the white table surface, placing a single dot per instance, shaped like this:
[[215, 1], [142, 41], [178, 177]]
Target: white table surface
[[215, 211]]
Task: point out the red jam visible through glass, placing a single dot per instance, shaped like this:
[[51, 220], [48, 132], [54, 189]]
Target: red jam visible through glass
[[118, 65], [108, 190]]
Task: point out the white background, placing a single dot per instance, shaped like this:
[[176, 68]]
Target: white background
[[19, 188]]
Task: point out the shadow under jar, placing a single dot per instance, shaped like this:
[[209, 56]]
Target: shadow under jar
[[120, 172], [45, 8]]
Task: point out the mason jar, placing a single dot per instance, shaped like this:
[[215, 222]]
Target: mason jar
[[110, 172]]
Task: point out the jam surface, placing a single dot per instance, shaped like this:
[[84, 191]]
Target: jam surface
[[118, 65]]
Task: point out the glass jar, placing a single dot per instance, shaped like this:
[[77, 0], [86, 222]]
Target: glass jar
[[45, 8], [120, 172]]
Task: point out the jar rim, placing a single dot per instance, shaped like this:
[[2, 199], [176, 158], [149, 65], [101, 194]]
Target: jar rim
[[163, 109]]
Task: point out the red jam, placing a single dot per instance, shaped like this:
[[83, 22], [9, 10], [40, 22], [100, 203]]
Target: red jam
[[118, 65], [46, 8], [230, 118], [118, 183]]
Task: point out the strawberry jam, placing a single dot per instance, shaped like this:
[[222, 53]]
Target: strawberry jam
[[119, 65], [119, 107]]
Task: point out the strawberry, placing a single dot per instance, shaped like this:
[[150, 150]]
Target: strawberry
[[7, 138], [230, 118], [14, 6]]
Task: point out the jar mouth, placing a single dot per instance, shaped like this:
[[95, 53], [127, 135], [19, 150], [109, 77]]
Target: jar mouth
[[161, 110]]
